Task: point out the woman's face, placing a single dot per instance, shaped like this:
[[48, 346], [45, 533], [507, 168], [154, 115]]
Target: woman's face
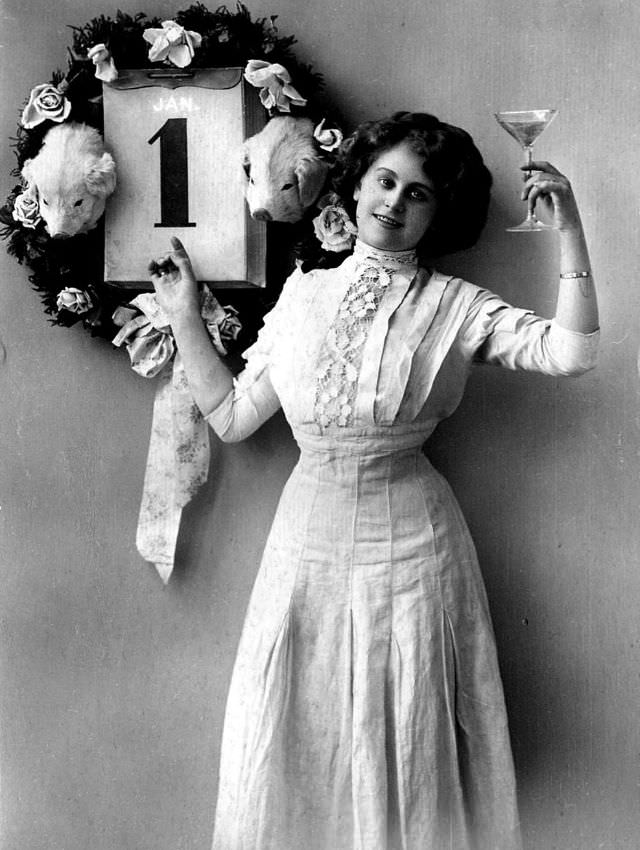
[[396, 201]]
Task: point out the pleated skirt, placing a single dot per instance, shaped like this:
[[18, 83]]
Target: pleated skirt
[[366, 710]]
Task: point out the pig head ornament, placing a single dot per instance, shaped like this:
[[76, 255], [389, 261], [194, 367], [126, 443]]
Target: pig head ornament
[[71, 176], [284, 174]]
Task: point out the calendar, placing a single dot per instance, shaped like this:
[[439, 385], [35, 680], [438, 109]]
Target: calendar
[[176, 137]]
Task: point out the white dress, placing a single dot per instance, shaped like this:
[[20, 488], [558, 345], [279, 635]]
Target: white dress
[[366, 709]]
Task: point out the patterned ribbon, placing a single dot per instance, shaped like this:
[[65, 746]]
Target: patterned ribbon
[[178, 458]]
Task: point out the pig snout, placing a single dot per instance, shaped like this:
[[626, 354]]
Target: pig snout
[[262, 214], [58, 226], [63, 220]]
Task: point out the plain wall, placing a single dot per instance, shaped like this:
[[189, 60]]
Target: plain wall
[[113, 687]]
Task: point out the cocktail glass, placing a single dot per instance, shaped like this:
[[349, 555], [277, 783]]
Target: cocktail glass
[[525, 126]]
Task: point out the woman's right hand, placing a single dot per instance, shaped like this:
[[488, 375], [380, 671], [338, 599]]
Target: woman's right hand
[[547, 184], [175, 283]]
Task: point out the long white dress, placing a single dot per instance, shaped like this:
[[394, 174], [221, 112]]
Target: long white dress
[[366, 709]]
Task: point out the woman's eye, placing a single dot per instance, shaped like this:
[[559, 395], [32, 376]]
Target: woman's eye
[[78, 203], [386, 182], [287, 186]]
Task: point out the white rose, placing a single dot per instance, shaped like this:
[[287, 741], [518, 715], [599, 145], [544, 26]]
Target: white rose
[[46, 102], [328, 139], [74, 300], [26, 210], [334, 228]]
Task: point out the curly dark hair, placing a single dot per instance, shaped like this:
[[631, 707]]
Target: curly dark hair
[[451, 161]]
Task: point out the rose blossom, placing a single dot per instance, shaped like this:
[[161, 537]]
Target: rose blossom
[[274, 82], [102, 59], [46, 102], [328, 140], [172, 42], [26, 210], [74, 300], [334, 228]]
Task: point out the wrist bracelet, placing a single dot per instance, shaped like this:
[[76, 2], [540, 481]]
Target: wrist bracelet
[[574, 275]]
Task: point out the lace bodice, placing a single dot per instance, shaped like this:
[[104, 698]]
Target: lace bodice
[[341, 352]]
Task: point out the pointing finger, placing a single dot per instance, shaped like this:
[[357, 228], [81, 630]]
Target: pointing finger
[[179, 254]]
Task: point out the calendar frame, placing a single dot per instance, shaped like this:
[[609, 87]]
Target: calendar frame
[[126, 229]]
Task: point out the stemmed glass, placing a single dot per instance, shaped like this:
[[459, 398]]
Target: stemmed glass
[[525, 126]]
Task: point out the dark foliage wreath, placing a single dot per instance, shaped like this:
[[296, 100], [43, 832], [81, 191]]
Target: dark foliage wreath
[[228, 38]]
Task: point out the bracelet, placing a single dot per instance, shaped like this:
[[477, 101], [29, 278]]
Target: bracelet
[[574, 275]]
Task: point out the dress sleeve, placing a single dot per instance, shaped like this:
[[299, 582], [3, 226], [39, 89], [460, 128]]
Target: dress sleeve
[[253, 399], [518, 339]]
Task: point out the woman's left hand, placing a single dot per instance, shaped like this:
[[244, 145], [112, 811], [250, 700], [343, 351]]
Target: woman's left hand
[[546, 184]]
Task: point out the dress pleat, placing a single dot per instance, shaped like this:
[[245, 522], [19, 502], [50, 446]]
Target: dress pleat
[[362, 706]]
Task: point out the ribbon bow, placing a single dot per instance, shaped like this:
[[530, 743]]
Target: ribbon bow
[[179, 451], [172, 42], [274, 82], [328, 138], [105, 66]]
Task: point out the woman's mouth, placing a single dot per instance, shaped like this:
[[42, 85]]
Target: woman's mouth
[[385, 221]]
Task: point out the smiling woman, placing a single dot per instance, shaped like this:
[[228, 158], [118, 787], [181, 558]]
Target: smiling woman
[[113, 685], [449, 166], [396, 200], [369, 601]]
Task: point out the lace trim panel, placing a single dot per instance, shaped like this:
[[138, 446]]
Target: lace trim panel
[[341, 353]]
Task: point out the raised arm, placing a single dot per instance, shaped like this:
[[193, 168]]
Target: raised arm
[[176, 288], [577, 306]]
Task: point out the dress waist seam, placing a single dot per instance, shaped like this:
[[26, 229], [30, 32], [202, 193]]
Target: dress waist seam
[[369, 442]]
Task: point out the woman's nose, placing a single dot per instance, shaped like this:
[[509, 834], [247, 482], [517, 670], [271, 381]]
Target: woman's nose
[[394, 199]]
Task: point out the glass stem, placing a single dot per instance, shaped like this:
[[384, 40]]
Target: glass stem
[[529, 159]]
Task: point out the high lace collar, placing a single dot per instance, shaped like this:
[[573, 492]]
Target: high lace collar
[[391, 260]]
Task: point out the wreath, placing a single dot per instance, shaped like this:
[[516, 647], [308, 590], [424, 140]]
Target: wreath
[[68, 273]]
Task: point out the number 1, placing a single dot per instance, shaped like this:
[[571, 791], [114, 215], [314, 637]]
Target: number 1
[[174, 174]]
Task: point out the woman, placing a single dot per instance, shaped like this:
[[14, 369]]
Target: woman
[[366, 708]]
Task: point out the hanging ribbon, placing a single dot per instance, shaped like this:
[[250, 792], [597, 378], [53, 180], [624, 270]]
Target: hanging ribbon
[[178, 458]]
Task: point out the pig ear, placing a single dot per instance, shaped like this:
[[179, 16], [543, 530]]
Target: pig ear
[[311, 173], [101, 177]]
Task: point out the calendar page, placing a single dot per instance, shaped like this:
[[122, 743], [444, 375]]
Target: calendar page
[[176, 138]]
